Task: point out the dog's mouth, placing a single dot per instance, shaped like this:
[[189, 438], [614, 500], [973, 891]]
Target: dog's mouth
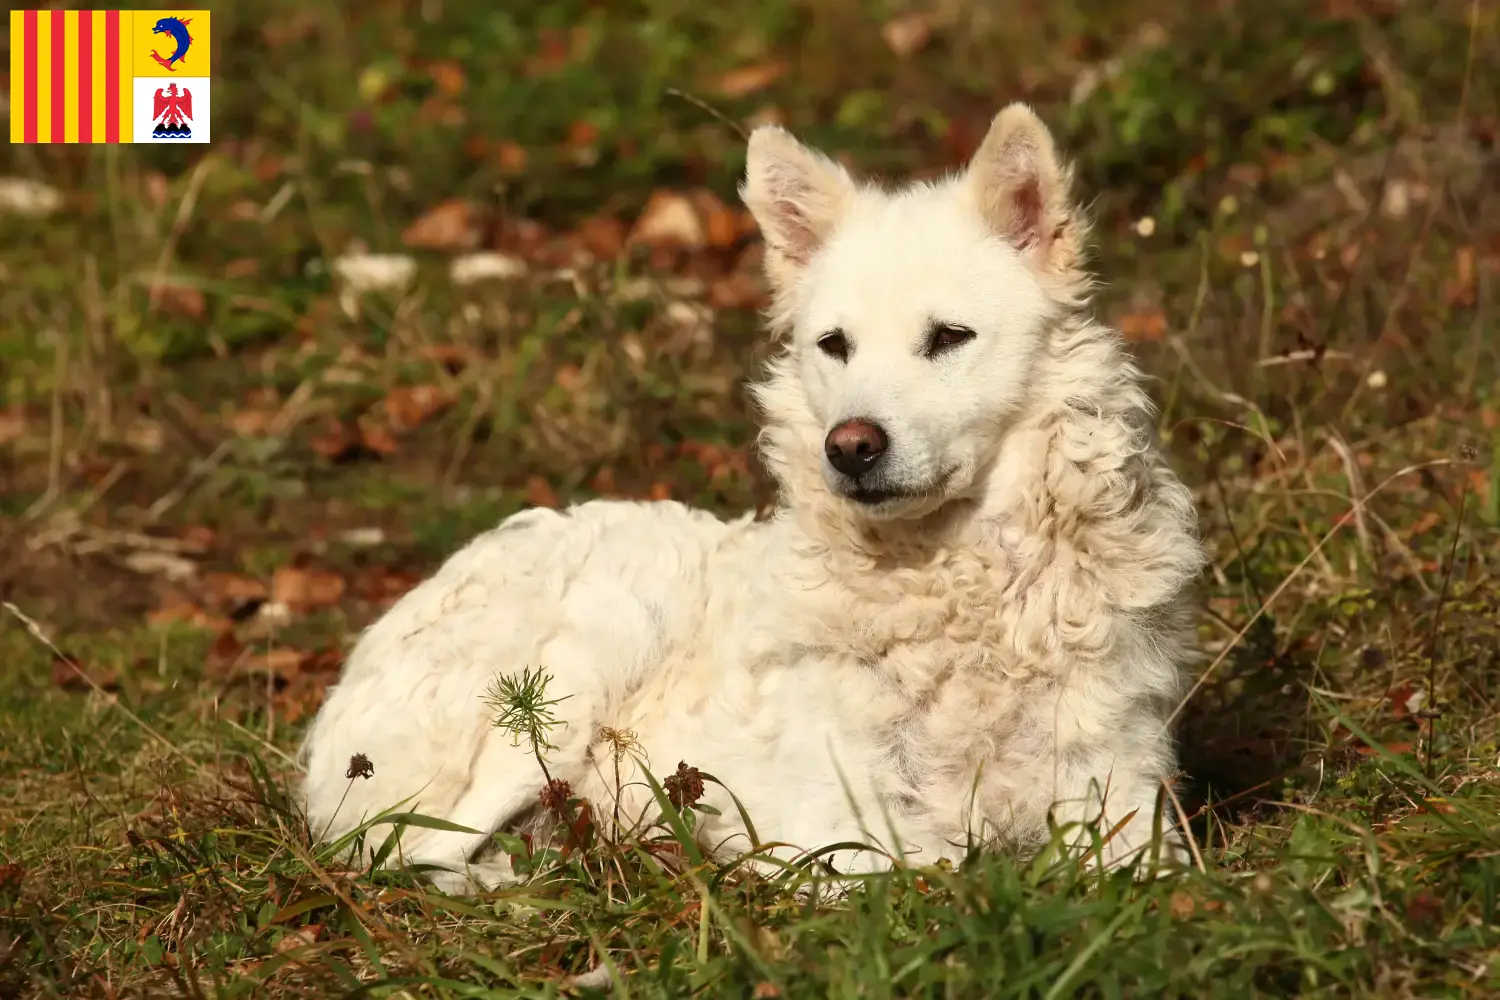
[[881, 498]]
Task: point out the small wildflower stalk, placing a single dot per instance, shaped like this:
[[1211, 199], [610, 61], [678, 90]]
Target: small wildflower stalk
[[522, 708], [621, 742]]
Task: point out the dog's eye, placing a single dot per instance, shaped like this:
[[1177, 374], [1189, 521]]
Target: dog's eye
[[834, 345], [945, 336]]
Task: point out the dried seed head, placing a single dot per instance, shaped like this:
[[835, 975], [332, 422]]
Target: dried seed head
[[555, 795], [621, 742], [360, 767], [685, 787]]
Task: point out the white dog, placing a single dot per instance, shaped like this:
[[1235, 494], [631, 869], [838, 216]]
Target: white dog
[[967, 620]]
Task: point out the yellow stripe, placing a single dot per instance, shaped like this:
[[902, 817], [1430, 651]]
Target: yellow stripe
[[127, 76], [97, 78], [70, 76], [17, 78], [44, 76]]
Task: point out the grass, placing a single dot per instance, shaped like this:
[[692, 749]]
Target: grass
[[216, 465]]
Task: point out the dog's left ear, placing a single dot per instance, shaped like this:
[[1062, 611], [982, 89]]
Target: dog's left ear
[[1022, 189]]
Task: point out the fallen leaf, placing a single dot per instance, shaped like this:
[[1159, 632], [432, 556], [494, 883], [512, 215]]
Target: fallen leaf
[[384, 586], [282, 661], [233, 591], [603, 236], [1182, 905], [511, 156], [224, 653], [1142, 325], [669, 219], [299, 938], [377, 439], [449, 77], [179, 299], [69, 676], [738, 290], [604, 483], [450, 225], [1461, 289], [251, 423], [335, 443], [409, 406], [661, 491], [747, 80], [179, 610], [1406, 699], [1403, 746], [341, 443], [908, 33], [12, 424], [1423, 907], [303, 589], [539, 493], [722, 226]]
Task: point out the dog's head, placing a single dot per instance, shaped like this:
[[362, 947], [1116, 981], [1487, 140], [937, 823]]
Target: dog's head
[[914, 318]]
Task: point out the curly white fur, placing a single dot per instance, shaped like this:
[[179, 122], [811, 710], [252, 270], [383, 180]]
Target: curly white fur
[[998, 640]]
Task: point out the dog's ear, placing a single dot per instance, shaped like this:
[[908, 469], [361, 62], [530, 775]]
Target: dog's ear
[[797, 196], [1022, 189]]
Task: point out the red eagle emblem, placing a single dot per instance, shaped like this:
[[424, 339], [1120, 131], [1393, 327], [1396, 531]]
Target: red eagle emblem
[[172, 110]]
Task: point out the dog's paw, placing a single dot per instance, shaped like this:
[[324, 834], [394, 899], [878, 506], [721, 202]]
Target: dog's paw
[[482, 876]]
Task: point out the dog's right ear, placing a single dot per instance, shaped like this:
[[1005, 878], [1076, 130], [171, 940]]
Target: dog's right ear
[[797, 196]]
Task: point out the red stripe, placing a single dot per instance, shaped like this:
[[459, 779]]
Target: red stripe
[[85, 76], [59, 93], [29, 31], [112, 76]]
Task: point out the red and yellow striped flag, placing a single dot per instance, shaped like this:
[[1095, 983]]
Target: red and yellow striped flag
[[89, 75]]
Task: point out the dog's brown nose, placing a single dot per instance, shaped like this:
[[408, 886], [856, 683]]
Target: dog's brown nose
[[854, 447]]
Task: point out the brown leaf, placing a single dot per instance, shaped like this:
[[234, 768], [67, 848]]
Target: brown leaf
[[1406, 699], [251, 423], [661, 491], [603, 236], [377, 438], [224, 653], [282, 661], [450, 225], [908, 33], [12, 423], [299, 938], [305, 588], [721, 224], [738, 290], [670, 219], [408, 406], [747, 80], [178, 299], [604, 483], [449, 77], [1460, 290], [335, 443], [232, 590], [539, 493], [1142, 325], [511, 156], [71, 676], [178, 609], [383, 586]]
